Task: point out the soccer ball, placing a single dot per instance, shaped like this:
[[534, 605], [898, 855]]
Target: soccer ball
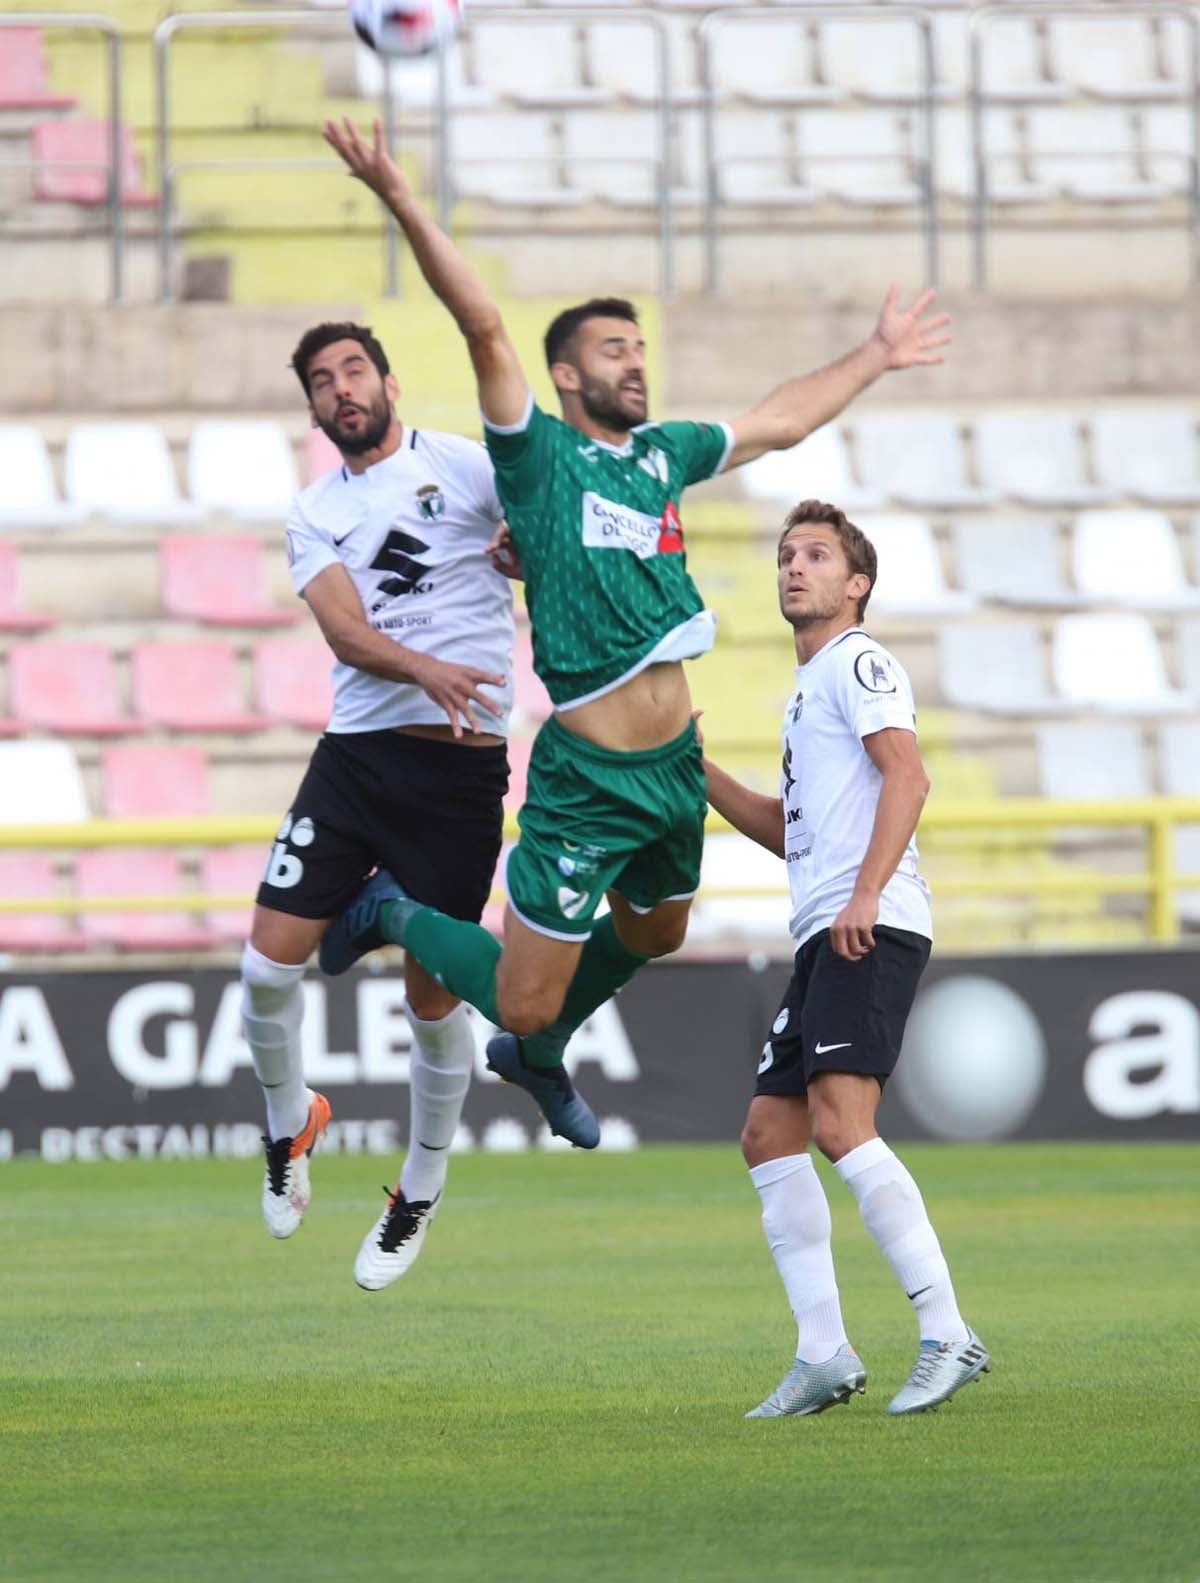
[[406, 28]]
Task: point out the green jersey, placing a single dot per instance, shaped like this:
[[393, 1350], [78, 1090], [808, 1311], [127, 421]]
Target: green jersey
[[598, 532]]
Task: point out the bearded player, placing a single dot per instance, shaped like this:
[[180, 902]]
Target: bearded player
[[616, 798]]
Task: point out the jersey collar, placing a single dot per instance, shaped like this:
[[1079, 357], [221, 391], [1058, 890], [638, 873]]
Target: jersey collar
[[832, 644]]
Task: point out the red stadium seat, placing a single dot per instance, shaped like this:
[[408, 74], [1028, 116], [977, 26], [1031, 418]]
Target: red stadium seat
[[143, 780], [67, 687], [23, 73], [321, 455], [190, 685], [13, 615], [71, 164], [292, 681], [124, 871], [31, 876], [221, 581], [232, 871]]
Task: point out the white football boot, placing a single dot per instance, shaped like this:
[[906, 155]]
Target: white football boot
[[286, 1191], [941, 1367], [391, 1246], [812, 1387]]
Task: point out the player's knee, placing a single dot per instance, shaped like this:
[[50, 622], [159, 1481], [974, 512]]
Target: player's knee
[[655, 936], [833, 1134], [757, 1140], [525, 1012]]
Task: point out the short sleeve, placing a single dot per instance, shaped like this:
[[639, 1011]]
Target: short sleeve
[[309, 551], [875, 693], [702, 448], [483, 478], [519, 454]]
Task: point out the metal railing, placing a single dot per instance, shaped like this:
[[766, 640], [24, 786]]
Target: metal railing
[[982, 16], [86, 22], [1155, 817], [708, 32]]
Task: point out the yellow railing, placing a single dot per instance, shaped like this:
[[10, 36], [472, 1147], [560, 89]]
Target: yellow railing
[[1156, 818]]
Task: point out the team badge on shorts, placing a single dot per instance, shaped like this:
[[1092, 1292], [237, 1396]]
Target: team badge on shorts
[[431, 502]]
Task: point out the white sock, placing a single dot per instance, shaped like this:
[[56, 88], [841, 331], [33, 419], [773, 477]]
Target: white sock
[[272, 1009], [893, 1212], [798, 1230], [440, 1075]]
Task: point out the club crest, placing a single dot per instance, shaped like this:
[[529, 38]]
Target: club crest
[[431, 502]]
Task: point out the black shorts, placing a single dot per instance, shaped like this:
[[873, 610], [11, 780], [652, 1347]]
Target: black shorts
[[430, 812], [843, 1016]]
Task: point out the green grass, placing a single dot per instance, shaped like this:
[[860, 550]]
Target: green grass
[[557, 1390]]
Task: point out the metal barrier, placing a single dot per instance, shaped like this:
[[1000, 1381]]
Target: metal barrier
[[559, 16], [219, 21], [86, 22], [709, 29], [981, 16], [1156, 817]]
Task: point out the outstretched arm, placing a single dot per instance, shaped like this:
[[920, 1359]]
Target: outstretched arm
[[901, 340], [503, 389]]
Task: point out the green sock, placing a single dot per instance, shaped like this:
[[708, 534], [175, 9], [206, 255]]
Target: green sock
[[604, 967], [461, 956]]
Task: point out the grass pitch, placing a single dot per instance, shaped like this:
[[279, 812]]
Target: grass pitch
[[556, 1390]]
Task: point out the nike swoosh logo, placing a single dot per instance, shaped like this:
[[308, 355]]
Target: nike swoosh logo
[[434, 1148], [337, 543], [912, 1296], [824, 1049]]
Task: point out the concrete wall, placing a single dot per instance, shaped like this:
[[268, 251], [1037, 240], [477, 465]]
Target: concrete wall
[[720, 354]]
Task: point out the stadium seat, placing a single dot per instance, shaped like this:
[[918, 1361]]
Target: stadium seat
[[23, 84], [293, 682], [40, 783], [321, 455], [31, 876], [190, 685], [1166, 135], [128, 872], [880, 61], [623, 60], [232, 871], [1090, 154], [862, 157], [999, 667], [1036, 457], [743, 692], [1110, 57], [910, 578], [510, 159], [1006, 165], [501, 54], [1149, 453], [144, 780], [769, 63], [244, 467], [615, 155], [918, 460], [1131, 558], [1013, 561], [29, 499], [220, 581], [71, 163], [124, 471], [1014, 64], [1113, 663], [416, 81], [758, 160], [13, 615], [1084, 759], [69, 687], [1187, 650], [816, 469]]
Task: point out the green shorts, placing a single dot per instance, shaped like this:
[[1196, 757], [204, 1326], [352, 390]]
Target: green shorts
[[595, 821]]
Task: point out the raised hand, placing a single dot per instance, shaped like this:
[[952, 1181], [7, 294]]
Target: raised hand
[[370, 162], [908, 337]]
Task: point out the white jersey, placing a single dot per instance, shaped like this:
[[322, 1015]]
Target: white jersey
[[830, 788], [411, 532]]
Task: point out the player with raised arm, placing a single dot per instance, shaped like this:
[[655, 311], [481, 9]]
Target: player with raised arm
[[616, 803], [391, 552], [851, 792]]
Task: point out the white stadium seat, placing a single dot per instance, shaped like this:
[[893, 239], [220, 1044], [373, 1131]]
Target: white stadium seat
[[918, 459], [1090, 154], [509, 159], [816, 469], [29, 498], [910, 579], [1091, 760], [1187, 651], [1110, 57], [1014, 64], [1004, 158], [882, 61], [415, 82], [124, 471], [999, 667], [501, 53], [40, 783], [1166, 135], [614, 153], [1013, 561], [862, 157], [1131, 558], [1036, 457], [758, 160], [1113, 663], [242, 466], [770, 63], [1148, 452]]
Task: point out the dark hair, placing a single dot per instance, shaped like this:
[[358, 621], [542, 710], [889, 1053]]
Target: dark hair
[[856, 546], [562, 331], [323, 335]]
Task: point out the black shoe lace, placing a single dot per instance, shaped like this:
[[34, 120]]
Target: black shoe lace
[[403, 1219], [279, 1154]]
